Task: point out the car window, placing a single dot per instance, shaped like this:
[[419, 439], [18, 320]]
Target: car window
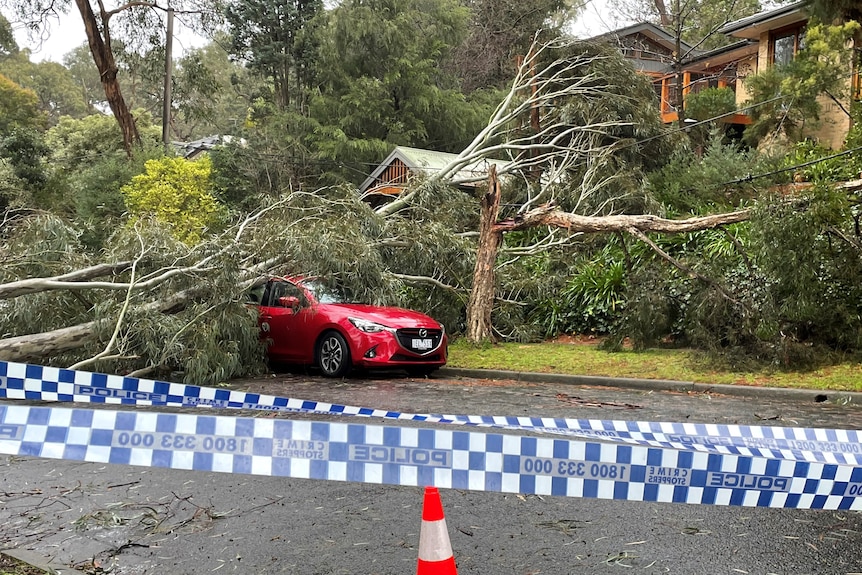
[[279, 289], [324, 293], [255, 294]]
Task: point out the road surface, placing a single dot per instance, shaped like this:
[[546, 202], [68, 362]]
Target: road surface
[[95, 518]]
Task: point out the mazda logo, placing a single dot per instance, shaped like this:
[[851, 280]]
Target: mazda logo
[[423, 332]]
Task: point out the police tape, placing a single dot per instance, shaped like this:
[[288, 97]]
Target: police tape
[[830, 446], [410, 456]]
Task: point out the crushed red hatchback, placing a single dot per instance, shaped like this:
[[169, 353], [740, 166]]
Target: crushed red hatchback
[[306, 322]]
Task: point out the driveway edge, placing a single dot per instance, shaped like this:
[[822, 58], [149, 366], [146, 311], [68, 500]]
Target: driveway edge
[[815, 395]]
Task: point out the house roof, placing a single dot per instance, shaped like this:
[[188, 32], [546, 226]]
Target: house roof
[[429, 162], [649, 30], [723, 55], [190, 150], [752, 26]]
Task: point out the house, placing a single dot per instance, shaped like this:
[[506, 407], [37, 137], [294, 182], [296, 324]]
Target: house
[[762, 40], [404, 164], [779, 36], [652, 50]]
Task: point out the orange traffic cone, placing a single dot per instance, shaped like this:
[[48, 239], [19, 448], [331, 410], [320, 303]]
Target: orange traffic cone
[[435, 551]]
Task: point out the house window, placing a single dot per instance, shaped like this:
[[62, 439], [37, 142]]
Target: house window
[[784, 44]]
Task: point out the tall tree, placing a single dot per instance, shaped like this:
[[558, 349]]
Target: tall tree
[[275, 40], [212, 94], [382, 81], [499, 32], [140, 24], [19, 107], [53, 83], [570, 164], [8, 45]]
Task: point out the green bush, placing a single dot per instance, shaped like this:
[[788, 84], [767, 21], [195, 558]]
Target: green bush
[[710, 103], [688, 183], [588, 299], [176, 192]]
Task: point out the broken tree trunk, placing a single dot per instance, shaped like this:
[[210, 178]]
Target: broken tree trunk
[[479, 327]]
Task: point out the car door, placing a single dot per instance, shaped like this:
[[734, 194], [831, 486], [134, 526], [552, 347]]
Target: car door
[[283, 321]]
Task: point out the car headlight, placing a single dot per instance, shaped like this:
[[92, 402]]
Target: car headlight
[[369, 326]]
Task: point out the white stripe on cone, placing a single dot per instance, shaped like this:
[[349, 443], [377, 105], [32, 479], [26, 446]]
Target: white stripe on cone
[[434, 541]]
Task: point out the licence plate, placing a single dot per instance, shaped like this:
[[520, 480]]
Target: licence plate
[[422, 344]]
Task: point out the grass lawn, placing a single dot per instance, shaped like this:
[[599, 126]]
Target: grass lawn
[[581, 357]]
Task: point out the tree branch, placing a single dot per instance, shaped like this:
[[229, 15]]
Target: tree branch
[[682, 267], [550, 215], [35, 285], [426, 280]]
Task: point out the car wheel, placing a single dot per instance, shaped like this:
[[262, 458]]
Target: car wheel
[[333, 355]]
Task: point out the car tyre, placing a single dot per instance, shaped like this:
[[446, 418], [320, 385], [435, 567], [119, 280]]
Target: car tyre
[[333, 355]]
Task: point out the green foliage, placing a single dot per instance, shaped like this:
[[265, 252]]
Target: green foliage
[[176, 192], [383, 83], [76, 143], [784, 99], [57, 91], [654, 304], [79, 63], [621, 104], [820, 169], [8, 45], [277, 40], [710, 103], [266, 159], [811, 253], [589, 298], [90, 168], [26, 152], [829, 10], [12, 189], [19, 107], [498, 31], [212, 94], [688, 183]]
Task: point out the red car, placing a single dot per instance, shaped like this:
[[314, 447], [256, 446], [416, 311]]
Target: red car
[[305, 322]]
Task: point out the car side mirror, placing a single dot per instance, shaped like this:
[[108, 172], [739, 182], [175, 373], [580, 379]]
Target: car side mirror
[[289, 301]]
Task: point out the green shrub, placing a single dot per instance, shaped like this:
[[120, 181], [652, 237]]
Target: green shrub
[[710, 103], [176, 192]]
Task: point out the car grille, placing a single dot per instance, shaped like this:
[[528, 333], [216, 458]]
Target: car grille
[[414, 339]]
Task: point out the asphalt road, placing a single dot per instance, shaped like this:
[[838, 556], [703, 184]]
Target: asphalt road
[[94, 518]]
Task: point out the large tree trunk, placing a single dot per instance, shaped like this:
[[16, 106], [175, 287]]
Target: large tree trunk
[[41, 345], [103, 57], [550, 215], [479, 327]]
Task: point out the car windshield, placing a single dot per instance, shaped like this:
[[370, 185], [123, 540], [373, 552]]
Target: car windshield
[[325, 293]]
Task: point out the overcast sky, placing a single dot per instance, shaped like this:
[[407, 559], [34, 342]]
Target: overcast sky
[[67, 33]]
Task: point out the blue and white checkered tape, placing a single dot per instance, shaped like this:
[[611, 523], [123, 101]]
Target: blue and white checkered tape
[[830, 446], [417, 457]]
